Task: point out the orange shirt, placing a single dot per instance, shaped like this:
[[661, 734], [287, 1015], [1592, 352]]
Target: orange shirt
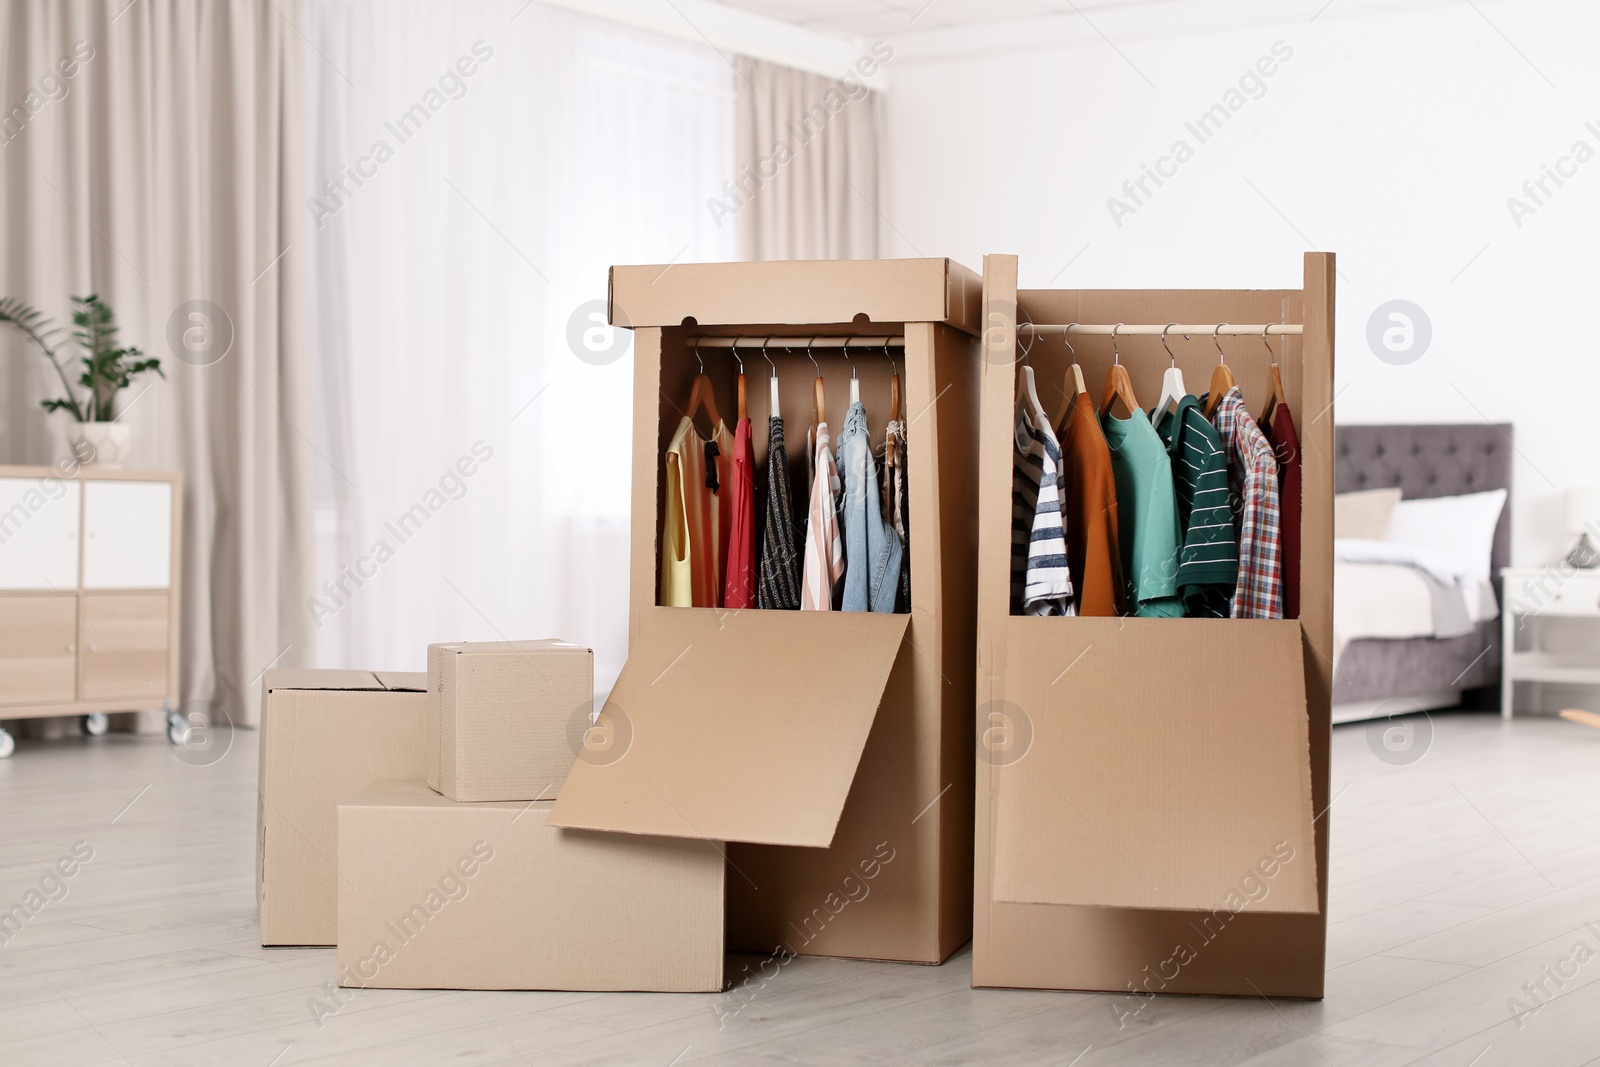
[[1090, 500]]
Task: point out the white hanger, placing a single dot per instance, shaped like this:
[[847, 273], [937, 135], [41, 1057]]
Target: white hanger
[[1027, 387], [1172, 389], [855, 384], [773, 380]]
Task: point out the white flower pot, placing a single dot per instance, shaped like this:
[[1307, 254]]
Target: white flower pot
[[100, 444]]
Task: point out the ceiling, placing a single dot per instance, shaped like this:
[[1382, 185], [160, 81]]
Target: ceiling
[[876, 18]]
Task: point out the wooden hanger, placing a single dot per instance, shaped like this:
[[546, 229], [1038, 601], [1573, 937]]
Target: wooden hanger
[[1221, 378], [1073, 387], [1172, 388], [701, 395], [1277, 395], [744, 409], [1119, 387], [819, 398], [894, 406]]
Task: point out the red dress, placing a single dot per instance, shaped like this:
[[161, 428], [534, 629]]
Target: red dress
[[1286, 443], [739, 590]]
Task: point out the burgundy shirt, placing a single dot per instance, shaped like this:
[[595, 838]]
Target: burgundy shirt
[[1286, 443]]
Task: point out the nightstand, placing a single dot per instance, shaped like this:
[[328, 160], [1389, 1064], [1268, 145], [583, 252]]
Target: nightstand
[[1556, 612]]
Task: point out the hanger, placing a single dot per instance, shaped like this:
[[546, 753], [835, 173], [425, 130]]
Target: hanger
[[1119, 387], [701, 395], [773, 403], [1172, 389], [1073, 387], [855, 384], [744, 411], [1026, 385], [1277, 395], [1221, 378], [819, 399], [894, 404]]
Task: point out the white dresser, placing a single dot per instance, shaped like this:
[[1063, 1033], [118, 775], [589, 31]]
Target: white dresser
[[88, 592]]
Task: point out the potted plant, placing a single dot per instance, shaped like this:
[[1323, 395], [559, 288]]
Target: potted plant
[[96, 436]]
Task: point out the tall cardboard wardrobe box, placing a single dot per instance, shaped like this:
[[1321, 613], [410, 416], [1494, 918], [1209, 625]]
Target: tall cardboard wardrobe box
[[323, 734], [832, 751], [1152, 793]]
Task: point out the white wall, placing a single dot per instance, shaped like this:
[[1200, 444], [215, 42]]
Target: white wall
[[1393, 135]]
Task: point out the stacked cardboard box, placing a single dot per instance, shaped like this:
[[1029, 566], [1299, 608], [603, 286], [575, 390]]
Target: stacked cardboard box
[[404, 818]]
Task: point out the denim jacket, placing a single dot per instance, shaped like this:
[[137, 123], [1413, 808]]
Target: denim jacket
[[872, 548]]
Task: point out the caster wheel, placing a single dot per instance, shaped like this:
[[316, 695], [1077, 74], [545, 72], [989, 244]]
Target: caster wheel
[[177, 728], [96, 723], [8, 745]]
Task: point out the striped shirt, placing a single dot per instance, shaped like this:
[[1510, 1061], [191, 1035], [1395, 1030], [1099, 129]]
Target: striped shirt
[[1040, 582], [1208, 557], [1253, 478], [824, 551], [779, 572]]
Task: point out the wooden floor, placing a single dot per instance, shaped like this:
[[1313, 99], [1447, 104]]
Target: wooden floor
[[1461, 881]]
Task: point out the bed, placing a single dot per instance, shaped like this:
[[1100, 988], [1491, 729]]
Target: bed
[[1376, 678]]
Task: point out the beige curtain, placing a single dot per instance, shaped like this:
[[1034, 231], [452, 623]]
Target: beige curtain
[[809, 151], [164, 171]]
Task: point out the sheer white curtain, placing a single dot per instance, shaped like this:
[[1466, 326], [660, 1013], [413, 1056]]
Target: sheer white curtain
[[477, 167]]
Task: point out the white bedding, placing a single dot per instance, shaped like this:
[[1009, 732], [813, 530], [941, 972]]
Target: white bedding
[[1381, 589]]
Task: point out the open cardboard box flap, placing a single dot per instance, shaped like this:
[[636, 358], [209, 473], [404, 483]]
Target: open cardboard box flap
[[734, 726], [797, 292], [1121, 795]]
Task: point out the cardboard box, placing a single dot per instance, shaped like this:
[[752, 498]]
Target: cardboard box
[[440, 895], [323, 734], [831, 750], [506, 718], [1150, 791]]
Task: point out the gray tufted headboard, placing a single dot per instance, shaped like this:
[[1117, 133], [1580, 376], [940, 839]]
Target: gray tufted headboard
[[1424, 461]]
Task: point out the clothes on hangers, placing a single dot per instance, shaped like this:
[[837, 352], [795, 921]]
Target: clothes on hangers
[[698, 516], [1208, 559], [872, 549], [739, 589], [1285, 444], [824, 561], [899, 511], [1089, 492], [1040, 581], [1253, 479], [778, 574], [1147, 515]]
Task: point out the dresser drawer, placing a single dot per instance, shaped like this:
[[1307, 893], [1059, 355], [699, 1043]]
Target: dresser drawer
[[38, 657], [124, 647], [1575, 596]]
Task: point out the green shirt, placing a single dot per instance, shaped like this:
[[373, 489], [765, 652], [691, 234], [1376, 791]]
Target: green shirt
[[1208, 561], [1147, 514]]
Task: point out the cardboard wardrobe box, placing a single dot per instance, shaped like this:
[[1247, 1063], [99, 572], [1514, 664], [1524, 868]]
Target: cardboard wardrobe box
[[441, 895], [504, 717], [1150, 791], [323, 734], [832, 751]]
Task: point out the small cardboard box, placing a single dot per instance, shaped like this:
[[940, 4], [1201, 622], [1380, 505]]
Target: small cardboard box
[[440, 895], [832, 751], [506, 718], [323, 734]]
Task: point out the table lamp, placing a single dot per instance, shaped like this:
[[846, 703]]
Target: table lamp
[[1583, 516]]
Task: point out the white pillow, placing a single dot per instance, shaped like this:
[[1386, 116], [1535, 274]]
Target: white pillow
[[1364, 514], [1462, 525]]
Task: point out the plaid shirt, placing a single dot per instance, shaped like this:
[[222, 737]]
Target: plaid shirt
[[1253, 474]]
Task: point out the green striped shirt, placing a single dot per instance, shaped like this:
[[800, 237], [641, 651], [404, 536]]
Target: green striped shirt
[[1208, 560]]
